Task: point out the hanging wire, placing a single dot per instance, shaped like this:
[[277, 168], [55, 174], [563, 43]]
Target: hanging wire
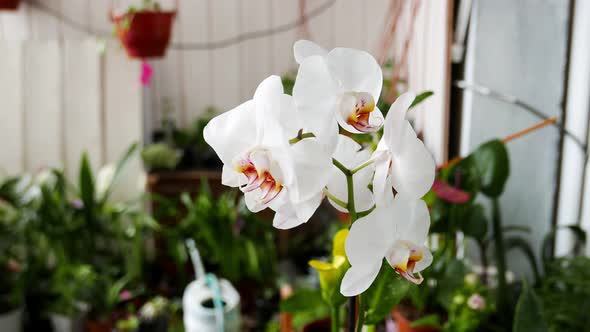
[[485, 91], [223, 43]]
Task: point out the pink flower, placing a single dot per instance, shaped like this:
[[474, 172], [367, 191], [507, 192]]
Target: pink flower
[[476, 302], [146, 73], [125, 295]]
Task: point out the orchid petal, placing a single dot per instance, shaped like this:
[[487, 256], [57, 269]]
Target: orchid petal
[[414, 217], [303, 49], [413, 169], [370, 237], [231, 178], [425, 261], [220, 132], [355, 70], [395, 121], [381, 181], [358, 279]]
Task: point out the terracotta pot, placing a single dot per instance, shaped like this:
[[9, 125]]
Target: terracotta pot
[[404, 325], [98, 326], [144, 34], [320, 325], [9, 4]]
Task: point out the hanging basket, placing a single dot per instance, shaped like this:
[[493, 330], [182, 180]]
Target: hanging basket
[[9, 4], [144, 34]]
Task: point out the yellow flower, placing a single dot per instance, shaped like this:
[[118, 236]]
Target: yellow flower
[[331, 273]]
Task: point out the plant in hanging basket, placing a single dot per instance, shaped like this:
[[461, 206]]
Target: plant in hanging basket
[[145, 31], [9, 4]]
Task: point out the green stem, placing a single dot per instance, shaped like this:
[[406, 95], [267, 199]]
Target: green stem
[[361, 166], [335, 199], [351, 207], [359, 323], [365, 213], [371, 328], [300, 136], [335, 319], [500, 258]]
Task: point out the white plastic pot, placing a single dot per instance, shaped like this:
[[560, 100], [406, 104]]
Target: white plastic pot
[[62, 323], [198, 318], [11, 321]]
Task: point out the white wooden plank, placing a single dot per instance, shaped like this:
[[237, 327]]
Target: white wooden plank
[[123, 121], [256, 57], [282, 43], [349, 23], [168, 73], [194, 26], [16, 25], [375, 19], [43, 25], [11, 107], [225, 62], [78, 11], [43, 105], [100, 16], [82, 118], [321, 27]]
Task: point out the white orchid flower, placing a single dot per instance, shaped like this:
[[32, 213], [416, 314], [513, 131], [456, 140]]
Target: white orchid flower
[[401, 159], [273, 155], [343, 85], [351, 155], [396, 232]]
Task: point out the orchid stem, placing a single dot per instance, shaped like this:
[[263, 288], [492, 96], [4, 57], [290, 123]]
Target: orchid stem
[[366, 212], [300, 136], [361, 319], [335, 199], [361, 166], [353, 217]]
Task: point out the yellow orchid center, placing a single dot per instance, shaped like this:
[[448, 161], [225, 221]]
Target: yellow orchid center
[[405, 266], [358, 107]]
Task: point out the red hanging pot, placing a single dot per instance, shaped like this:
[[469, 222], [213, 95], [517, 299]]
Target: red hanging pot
[[9, 4], [144, 34]]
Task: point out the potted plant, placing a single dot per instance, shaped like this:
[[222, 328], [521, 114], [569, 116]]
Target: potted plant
[[144, 31], [70, 285], [12, 253], [9, 4]]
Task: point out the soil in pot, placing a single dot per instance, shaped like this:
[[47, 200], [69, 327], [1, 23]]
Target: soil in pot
[[98, 325], [321, 325], [145, 34]]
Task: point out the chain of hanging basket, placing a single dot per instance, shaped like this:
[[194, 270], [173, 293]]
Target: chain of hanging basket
[[203, 46]]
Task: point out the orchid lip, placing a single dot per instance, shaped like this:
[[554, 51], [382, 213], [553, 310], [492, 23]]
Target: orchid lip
[[258, 178], [359, 106]]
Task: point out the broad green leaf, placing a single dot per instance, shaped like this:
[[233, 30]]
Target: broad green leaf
[[529, 313], [386, 292], [432, 320], [303, 299], [421, 97], [476, 224], [493, 166]]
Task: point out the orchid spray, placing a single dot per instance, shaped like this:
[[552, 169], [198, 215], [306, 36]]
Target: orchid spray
[[287, 153]]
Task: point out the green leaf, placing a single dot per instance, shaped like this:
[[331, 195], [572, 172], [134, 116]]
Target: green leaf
[[119, 169], [521, 244], [303, 299], [421, 97], [86, 184], [452, 280], [528, 316], [386, 292], [476, 223], [493, 166], [429, 320]]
